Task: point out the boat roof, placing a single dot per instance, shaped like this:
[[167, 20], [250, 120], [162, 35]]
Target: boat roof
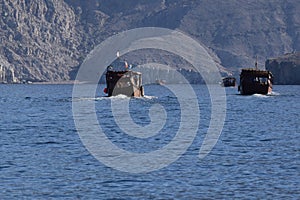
[[228, 77], [124, 71], [255, 72]]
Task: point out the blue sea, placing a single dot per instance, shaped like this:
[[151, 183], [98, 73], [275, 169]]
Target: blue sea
[[43, 155]]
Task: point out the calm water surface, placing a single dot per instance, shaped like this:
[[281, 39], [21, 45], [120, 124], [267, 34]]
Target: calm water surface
[[257, 155]]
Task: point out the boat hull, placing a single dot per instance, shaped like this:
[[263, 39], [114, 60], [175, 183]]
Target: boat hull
[[253, 81], [127, 91], [249, 89], [124, 83]]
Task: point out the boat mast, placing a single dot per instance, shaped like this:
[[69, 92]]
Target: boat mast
[[256, 67]]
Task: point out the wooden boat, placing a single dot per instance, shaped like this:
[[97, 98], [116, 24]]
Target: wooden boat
[[160, 82], [255, 81], [228, 81], [125, 82]]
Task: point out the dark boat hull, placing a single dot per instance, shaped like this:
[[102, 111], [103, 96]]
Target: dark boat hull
[[124, 83], [253, 81], [249, 89], [127, 91]]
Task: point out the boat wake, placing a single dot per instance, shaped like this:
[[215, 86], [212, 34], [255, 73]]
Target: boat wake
[[266, 96], [274, 94], [149, 97], [121, 96], [260, 95], [118, 97]]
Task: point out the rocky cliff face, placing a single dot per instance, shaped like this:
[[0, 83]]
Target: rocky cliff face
[[38, 39], [46, 40], [286, 69], [240, 30]]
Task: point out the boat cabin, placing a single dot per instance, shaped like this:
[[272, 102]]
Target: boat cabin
[[228, 81]]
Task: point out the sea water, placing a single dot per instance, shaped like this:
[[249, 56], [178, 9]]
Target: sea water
[[257, 155]]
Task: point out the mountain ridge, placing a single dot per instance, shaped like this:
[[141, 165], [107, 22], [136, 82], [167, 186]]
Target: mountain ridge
[[47, 40]]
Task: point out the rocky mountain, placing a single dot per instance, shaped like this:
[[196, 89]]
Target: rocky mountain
[[47, 40], [285, 69]]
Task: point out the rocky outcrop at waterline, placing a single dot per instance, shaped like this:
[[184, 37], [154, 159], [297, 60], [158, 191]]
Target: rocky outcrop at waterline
[[285, 69]]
